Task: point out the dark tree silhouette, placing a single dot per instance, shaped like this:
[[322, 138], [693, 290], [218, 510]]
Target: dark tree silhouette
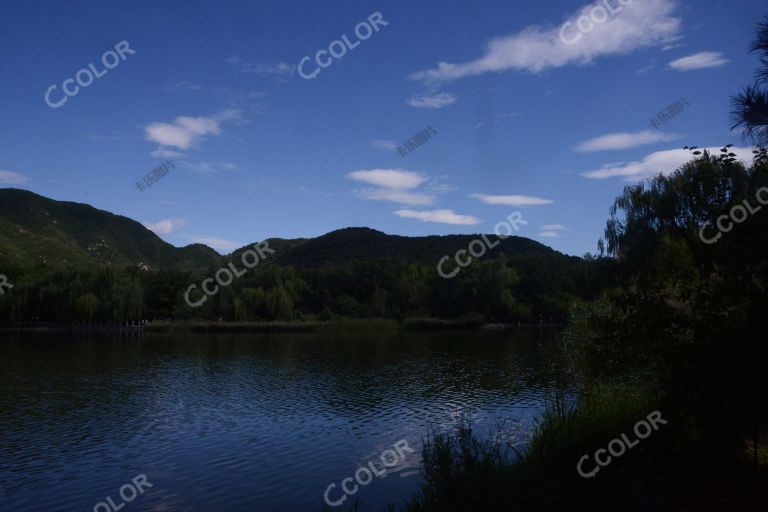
[[750, 106]]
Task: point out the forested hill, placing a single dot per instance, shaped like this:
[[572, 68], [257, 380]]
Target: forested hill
[[35, 229], [350, 244], [72, 262]]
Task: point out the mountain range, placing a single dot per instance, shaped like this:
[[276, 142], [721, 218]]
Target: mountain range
[[38, 230]]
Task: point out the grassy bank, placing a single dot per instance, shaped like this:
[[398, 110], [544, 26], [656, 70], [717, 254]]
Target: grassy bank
[[661, 472]]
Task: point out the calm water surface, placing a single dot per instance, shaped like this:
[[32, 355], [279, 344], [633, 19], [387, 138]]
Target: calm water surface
[[245, 422]]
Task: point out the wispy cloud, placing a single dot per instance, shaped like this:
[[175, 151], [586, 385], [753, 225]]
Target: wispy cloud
[[499, 116], [282, 71], [166, 153], [551, 230], [12, 178], [437, 186], [395, 185], [660, 162], [219, 244], [439, 216], [433, 101], [396, 196], [181, 86], [187, 132], [384, 145], [166, 226], [208, 167], [511, 200], [389, 178], [701, 60], [624, 140], [228, 95], [536, 49]]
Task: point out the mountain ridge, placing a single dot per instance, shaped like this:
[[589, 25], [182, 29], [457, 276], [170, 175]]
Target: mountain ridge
[[35, 229]]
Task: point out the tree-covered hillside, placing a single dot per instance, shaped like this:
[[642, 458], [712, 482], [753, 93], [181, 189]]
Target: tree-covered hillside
[[71, 262]]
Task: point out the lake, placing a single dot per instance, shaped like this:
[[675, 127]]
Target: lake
[[248, 422]]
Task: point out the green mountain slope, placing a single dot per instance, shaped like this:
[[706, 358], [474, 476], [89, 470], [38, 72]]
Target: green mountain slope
[[35, 229], [71, 262], [364, 244]]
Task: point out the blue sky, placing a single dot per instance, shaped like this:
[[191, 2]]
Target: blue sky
[[529, 114]]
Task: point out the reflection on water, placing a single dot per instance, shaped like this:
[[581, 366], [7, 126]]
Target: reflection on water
[[245, 422]]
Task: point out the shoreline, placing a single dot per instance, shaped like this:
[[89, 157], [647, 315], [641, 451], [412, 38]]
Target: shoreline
[[351, 325]]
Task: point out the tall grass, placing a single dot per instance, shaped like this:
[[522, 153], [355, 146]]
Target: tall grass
[[463, 472]]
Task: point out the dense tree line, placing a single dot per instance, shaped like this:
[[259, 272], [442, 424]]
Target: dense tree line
[[520, 287]]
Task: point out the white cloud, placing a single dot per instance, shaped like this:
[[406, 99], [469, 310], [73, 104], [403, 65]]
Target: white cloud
[[216, 243], [281, 71], [399, 186], [535, 49], [208, 167], [664, 162], [396, 196], [12, 178], [385, 145], [436, 186], [624, 140], [165, 153], [167, 226], [186, 132], [512, 200], [551, 230], [440, 100], [389, 178], [439, 216], [701, 60], [671, 47]]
